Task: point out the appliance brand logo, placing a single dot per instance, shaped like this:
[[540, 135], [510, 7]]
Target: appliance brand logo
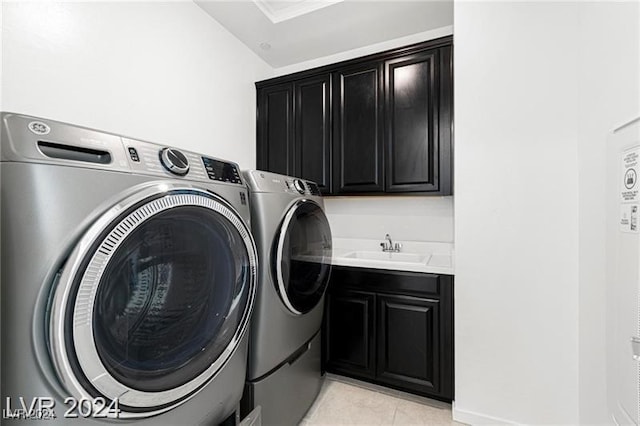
[[39, 128]]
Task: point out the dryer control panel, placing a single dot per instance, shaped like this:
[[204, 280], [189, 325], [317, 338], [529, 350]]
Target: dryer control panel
[[261, 181], [302, 187]]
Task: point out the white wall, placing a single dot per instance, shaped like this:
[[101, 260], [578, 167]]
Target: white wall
[[366, 50], [164, 72], [1, 53], [609, 81], [405, 218], [516, 223], [551, 80]]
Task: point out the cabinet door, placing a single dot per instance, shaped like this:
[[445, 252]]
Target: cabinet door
[[411, 103], [350, 333], [358, 130], [275, 151], [313, 130], [408, 343]]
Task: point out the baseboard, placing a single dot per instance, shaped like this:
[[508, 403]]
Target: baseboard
[[471, 418]]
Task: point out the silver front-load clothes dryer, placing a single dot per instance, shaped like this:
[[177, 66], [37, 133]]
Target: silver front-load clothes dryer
[[128, 279], [294, 243]]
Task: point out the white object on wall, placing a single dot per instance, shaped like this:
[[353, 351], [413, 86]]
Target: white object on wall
[[623, 273], [609, 95], [159, 71]]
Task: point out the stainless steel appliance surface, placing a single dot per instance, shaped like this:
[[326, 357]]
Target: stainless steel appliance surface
[[128, 279], [294, 244]]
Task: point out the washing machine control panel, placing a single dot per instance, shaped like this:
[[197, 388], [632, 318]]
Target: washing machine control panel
[[221, 170], [153, 159]]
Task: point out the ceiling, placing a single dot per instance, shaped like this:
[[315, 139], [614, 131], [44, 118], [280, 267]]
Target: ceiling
[[288, 32]]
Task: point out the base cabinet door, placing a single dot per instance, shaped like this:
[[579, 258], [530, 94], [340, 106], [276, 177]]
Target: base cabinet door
[[408, 342], [350, 333]]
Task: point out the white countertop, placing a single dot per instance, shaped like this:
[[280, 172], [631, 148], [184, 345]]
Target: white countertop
[[414, 256]]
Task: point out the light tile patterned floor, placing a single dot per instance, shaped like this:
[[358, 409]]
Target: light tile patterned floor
[[344, 401]]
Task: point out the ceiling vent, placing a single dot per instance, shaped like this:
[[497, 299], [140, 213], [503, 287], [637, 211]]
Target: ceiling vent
[[281, 10]]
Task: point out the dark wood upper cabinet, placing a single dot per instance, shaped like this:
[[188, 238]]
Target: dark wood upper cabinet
[[312, 135], [418, 91], [358, 131], [376, 124], [411, 101], [275, 148]]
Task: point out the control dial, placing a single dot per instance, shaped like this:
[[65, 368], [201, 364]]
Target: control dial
[[174, 161], [298, 185]]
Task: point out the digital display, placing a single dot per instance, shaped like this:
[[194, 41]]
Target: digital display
[[221, 171]]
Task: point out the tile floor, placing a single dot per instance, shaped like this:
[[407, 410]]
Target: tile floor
[[344, 401]]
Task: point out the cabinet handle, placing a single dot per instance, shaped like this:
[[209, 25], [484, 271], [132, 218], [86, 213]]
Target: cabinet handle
[[635, 348]]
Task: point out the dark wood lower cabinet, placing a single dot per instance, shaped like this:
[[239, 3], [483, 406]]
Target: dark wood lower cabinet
[[352, 346], [408, 335], [392, 328]]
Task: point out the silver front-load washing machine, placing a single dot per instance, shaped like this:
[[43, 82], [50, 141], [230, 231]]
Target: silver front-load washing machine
[[128, 279], [295, 247]]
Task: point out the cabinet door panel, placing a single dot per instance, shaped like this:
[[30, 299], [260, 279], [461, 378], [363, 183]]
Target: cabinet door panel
[[350, 333], [358, 129], [275, 151], [313, 130], [412, 123], [408, 342]]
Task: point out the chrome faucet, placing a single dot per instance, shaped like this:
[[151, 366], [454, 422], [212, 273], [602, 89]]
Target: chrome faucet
[[326, 244], [390, 247]]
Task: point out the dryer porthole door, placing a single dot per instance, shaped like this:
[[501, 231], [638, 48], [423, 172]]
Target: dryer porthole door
[[154, 299], [302, 257]]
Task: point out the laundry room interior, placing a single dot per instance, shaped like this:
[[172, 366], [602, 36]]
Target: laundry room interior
[[320, 212]]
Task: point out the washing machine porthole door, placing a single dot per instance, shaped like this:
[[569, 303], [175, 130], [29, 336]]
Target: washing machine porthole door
[[302, 257], [154, 300]]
